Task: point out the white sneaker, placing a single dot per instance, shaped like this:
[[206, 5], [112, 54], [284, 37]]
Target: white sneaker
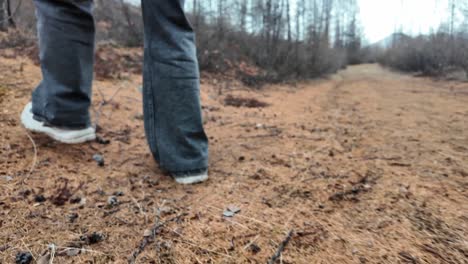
[[192, 179], [67, 136]]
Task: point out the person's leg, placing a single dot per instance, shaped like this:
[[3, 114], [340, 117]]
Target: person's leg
[[66, 49], [171, 99]]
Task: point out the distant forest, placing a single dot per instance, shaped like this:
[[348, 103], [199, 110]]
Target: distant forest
[[307, 40], [441, 53], [286, 39]]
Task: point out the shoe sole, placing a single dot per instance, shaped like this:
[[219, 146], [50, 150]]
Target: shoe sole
[[192, 180], [78, 140]]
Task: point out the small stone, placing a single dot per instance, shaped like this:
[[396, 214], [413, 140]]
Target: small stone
[[72, 217], [254, 248], [23, 258], [112, 201], [25, 193], [93, 238], [75, 200], [102, 141], [231, 210], [8, 178], [234, 209], [99, 159], [118, 193], [228, 213], [403, 190], [165, 210], [101, 192], [39, 198]]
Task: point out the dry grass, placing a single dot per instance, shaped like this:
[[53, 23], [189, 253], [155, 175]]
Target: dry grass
[[362, 167]]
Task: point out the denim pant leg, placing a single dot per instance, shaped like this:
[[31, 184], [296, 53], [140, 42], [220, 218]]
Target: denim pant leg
[[66, 46], [171, 89]]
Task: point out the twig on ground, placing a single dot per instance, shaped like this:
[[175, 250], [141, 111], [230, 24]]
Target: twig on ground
[[104, 102], [29, 250], [182, 240], [202, 248], [103, 98], [251, 242], [97, 114], [34, 162], [83, 250], [281, 248], [53, 249], [274, 134], [115, 94], [129, 159], [147, 239]]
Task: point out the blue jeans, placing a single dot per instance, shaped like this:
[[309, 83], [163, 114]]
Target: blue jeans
[[171, 86]]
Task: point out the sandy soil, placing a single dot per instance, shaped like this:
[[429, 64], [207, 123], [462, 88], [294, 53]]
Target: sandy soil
[[368, 166]]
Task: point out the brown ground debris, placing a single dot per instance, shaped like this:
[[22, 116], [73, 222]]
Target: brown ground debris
[[368, 166]]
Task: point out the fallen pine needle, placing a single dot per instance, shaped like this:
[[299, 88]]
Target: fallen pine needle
[[33, 165], [281, 248], [83, 250], [202, 248], [147, 239]]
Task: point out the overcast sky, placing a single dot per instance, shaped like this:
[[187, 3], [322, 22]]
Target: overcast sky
[[380, 18]]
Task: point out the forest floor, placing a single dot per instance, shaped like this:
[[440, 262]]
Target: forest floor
[[367, 166]]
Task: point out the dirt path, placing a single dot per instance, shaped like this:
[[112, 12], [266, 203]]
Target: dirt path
[[366, 167]]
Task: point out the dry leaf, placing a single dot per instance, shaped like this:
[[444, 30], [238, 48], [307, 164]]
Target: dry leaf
[[45, 259], [148, 233], [71, 252]]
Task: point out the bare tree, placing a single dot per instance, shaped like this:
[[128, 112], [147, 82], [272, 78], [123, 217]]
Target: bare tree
[[439, 53], [285, 38], [3, 15]]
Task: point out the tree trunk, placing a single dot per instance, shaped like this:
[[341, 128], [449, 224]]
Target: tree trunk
[[243, 16], [3, 17], [11, 21], [288, 18]]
